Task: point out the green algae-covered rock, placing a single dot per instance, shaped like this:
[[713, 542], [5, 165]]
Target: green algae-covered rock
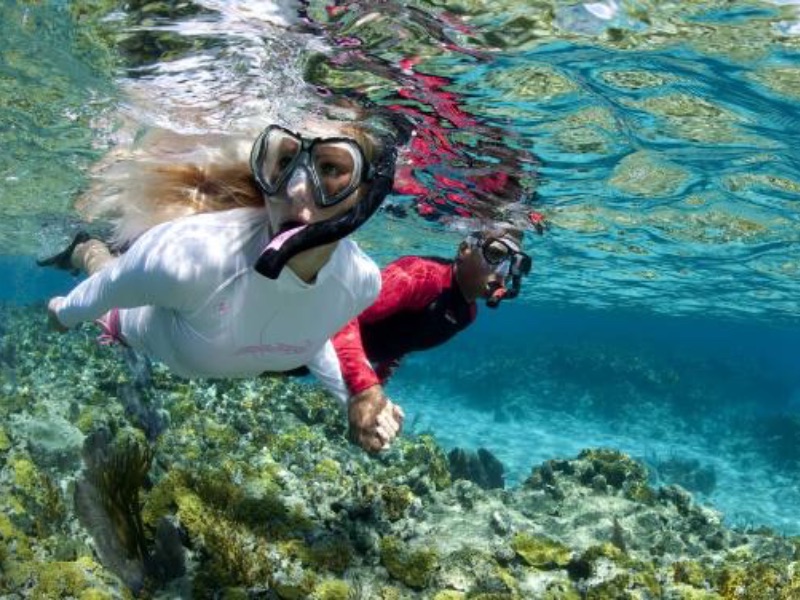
[[34, 500], [499, 583], [470, 568], [773, 579], [396, 500], [449, 595], [234, 593], [332, 589], [83, 579], [423, 452], [294, 584], [61, 579], [15, 548], [690, 572], [584, 566], [626, 585], [327, 470], [687, 592], [541, 552], [415, 568], [5, 442], [617, 467], [25, 475], [326, 554]]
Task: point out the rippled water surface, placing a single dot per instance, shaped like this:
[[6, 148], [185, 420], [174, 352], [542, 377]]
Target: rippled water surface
[[658, 140]]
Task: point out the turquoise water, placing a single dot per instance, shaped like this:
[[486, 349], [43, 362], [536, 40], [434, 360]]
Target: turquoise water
[[659, 141], [529, 383]]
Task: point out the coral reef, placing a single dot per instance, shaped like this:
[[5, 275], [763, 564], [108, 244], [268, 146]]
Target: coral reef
[[255, 486], [481, 467]]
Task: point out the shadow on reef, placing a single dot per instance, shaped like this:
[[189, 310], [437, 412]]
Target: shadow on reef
[[254, 491]]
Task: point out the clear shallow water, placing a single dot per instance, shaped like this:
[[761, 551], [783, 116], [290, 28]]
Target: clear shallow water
[[659, 140], [531, 384]]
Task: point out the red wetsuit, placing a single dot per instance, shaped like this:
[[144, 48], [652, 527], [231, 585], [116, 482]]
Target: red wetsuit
[[420, 306]]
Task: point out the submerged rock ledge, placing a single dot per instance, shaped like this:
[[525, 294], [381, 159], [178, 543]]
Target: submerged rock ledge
[[251, 490]]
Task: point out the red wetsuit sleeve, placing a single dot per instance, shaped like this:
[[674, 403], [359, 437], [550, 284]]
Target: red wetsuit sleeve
[[357, 371], [409, 283]]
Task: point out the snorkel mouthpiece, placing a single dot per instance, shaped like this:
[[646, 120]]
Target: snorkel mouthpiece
[[509, 290], [505, 292], [493, 301], [282, 250]]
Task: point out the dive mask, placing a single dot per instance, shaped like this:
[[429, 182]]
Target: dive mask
[[336, 166]]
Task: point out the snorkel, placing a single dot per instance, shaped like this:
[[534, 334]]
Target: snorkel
[[284, 246], [499, 293], [520, 266]]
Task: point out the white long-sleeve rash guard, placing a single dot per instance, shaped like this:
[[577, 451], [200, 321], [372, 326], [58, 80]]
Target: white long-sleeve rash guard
[[188, 296]]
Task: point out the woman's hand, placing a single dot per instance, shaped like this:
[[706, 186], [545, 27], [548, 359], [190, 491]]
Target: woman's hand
[[374, 419], [52, 319]]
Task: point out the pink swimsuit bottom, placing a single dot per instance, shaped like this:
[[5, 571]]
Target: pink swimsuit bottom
[[110, 325]]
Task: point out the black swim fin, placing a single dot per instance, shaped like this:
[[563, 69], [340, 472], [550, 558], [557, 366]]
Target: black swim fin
[[63, 260]]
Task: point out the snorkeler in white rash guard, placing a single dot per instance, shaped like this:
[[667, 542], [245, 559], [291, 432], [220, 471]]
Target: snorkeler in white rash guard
[[255, 289]]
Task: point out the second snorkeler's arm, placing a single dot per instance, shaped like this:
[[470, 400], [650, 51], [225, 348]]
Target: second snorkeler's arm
[[374, 421], [408, 284]]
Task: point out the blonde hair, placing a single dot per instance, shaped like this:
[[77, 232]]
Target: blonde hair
[[168, 176]]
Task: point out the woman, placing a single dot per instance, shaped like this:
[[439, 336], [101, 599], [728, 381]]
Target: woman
[[259, 288]]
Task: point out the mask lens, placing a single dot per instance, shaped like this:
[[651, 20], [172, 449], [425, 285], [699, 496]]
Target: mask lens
[[337, 166], [495, 252], [281, 150]]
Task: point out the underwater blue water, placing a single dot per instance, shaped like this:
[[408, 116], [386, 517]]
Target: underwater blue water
[[25, 283], [663, 315], [534, 383]]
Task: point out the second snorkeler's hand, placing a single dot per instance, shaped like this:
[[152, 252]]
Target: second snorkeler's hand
[[52, 316], [374, 419]]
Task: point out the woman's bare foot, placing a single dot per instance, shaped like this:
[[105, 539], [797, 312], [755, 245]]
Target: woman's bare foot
[[90, 256]]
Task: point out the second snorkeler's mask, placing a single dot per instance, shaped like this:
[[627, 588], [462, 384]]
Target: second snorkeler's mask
[[336, 167], [506, 258]]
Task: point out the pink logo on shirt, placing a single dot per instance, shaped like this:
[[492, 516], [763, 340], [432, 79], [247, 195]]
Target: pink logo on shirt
[[278, 348]]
